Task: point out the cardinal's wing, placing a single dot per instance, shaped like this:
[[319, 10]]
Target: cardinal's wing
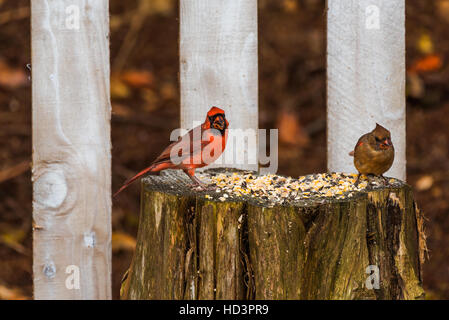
[[185, 145]]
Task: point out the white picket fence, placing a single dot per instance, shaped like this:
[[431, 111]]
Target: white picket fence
[[219, 65]]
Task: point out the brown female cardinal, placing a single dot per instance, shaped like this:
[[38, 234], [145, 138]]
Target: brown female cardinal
[[197, 148], [374, 152]]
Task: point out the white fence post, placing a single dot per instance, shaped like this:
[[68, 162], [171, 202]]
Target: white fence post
[[71, 149], [219, 67], [365, 77]]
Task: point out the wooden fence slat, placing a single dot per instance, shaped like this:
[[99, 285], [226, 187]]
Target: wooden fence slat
[[366, 77], [218, 66], [71, 149]]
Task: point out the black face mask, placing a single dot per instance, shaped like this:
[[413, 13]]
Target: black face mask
[[222, 120]]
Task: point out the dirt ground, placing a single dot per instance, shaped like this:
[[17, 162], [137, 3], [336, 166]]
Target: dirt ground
[[145, 100]]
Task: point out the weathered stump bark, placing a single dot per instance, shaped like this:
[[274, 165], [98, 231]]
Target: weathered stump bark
[[193, 246]]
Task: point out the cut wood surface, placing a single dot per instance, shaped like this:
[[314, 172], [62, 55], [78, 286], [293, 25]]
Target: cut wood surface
[[289, 244], [71, 149], [365, 77]]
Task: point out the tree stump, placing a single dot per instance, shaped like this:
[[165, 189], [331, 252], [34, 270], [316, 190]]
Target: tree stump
[[316, 237]]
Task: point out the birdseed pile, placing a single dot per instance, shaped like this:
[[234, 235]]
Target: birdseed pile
[[273, 189]]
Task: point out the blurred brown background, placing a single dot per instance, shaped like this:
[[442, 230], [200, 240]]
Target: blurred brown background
[[145, 103]]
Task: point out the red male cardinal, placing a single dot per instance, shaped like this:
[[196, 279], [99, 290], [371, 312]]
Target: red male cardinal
[[374, 152], [197, 148]]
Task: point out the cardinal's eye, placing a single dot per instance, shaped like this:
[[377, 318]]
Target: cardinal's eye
[[378, 140]]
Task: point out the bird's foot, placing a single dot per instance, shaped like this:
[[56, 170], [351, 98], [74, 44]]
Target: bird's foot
[[365, 179], [386, 181], [356, 184]]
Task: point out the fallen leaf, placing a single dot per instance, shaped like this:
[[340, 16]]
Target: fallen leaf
[[290, 5], [11, 294], [431, 62], [12, 78], [122, 241], [415, 86], [119, 89], [290, 130], [13, 237], [115, 21], [443, 9], [14, 14], [151, 99], [437, 192], [424, 183], [137, 79], [121, 110], [425, 43], [14, 171], [162, 7], [168, 91]]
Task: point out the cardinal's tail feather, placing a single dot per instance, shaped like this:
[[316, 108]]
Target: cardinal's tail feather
[[137, 176]]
